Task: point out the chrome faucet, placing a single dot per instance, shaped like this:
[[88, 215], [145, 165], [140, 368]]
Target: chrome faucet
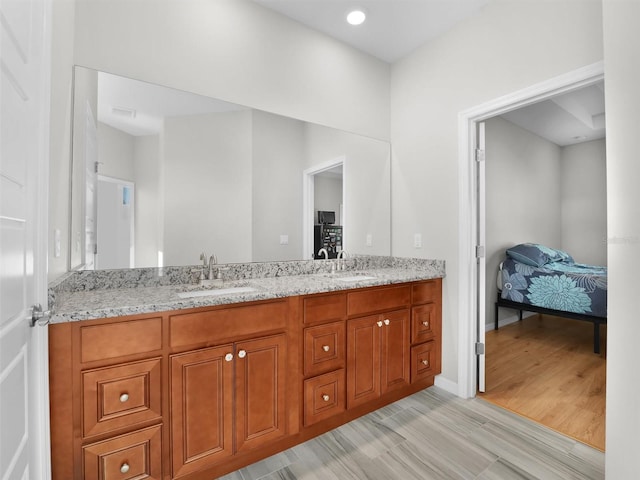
[[205, 266], [323, 251], [209, 274], [213, 272], [342, 256]]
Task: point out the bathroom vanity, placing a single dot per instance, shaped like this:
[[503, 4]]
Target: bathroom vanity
[[147, 383]]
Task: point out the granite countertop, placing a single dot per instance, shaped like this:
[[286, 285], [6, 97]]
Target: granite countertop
[[74, 304]]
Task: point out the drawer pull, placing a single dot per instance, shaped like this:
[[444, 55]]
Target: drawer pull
[[228, 357], [325, 348], [386, 321], [425, 363], [124, 468], [124, 397], [379, 323], [242, 353], [325, 397], [426, 324]]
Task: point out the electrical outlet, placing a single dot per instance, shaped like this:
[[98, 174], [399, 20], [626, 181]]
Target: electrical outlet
[[417, 240], [284, 239], [369, 240]]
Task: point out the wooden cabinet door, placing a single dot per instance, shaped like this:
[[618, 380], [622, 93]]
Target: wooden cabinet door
[[395, 352], [260, 391], [363, 359], [201, 408]]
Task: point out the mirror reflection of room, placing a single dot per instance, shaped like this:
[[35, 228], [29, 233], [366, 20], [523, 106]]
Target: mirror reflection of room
[[160, 175]]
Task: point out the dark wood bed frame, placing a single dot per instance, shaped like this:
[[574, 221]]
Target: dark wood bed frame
[[524, 307]]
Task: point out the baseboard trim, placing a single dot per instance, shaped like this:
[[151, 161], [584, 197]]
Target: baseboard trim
[[446, 384], [507, 321]]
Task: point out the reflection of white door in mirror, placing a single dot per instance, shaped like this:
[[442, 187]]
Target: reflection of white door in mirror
[[115, 232], [90, 190]]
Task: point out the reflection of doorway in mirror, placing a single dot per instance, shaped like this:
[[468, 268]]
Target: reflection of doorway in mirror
[[324, 190], [116, 245]]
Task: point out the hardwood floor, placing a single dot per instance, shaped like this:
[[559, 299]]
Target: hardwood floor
[[433, 435], [544, 368]]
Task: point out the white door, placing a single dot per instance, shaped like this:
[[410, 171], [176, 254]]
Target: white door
[[115, 225], [24, 144], [480, 253]]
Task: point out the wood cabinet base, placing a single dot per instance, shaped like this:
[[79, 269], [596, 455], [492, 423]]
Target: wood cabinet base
[[198, 393]]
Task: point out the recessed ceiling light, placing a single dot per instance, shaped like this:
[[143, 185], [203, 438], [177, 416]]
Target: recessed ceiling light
[[356, 17]]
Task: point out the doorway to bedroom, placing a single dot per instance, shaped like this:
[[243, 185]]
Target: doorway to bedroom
[[544, 183]]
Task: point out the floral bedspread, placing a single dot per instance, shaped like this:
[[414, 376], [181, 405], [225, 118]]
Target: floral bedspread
[[567, 287]]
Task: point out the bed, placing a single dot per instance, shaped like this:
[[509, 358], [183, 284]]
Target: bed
[[536, 278]]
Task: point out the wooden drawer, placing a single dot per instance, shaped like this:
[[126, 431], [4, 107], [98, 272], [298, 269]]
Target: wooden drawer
[[112, 340], [377, 299], [325, 308], [324, 348], [425, 361], [120, 396], [324, 396], [136, 455], [226, 323], [426, 292], [425, 322]]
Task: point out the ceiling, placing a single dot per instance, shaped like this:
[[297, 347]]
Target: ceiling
[[139, 108], [393, 28], [571, 118]]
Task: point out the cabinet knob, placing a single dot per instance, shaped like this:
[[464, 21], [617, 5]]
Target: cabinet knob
[[386, 321], [228, 357], [242, 353], [379, 323], [325, 397], [124, 468], [124, 397], [425, 363], [426, 324], [325, 348]]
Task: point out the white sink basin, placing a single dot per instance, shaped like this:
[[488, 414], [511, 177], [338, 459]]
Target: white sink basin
[[355, 278], [216, 292]]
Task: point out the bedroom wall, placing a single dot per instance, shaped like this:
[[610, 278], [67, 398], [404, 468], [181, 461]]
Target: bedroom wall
[[584, 201], [506, 47], [523, 197]]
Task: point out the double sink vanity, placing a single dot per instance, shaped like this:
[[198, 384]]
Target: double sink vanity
[[154, 376]]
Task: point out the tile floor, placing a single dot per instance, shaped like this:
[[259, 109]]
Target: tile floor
[[434, 435]]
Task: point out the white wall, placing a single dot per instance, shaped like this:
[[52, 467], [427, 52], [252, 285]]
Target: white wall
[[62, 38], [218, 148], [115, 153], [149, 200], [584, 201], [277, 186], [506, 47], [366, 173], [523, 197], [622, 97], [327, 191], [240, 52]]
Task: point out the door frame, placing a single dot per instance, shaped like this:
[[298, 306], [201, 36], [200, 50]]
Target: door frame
[[308, 192], [468, 206]]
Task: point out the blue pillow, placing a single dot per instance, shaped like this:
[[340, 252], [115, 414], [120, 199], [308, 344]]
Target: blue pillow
[[529, 254]]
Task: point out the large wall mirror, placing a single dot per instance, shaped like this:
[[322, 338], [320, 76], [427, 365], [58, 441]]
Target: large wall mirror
[[161, 175]]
